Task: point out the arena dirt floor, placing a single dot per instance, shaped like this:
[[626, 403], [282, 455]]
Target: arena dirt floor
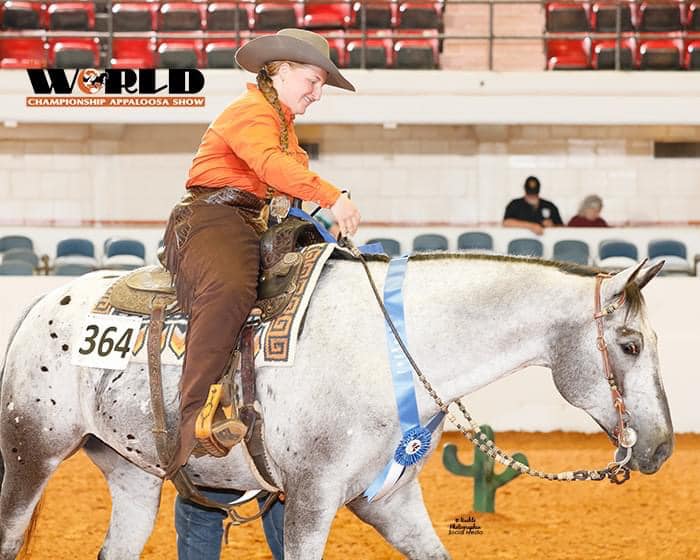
[[649, 517]]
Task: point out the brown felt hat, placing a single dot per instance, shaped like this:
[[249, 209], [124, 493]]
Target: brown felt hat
[[295, 45]]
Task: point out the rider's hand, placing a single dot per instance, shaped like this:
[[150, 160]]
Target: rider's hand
[[346, 214]]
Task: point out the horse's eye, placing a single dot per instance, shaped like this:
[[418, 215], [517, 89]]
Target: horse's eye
[[630, 348]]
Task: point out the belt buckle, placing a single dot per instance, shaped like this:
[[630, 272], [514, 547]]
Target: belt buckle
[[279, 207]]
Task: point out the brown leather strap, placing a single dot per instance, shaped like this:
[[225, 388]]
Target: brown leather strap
[[247, 366], [155, 332]]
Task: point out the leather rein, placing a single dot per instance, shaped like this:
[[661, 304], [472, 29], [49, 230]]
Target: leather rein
[[616, 471]]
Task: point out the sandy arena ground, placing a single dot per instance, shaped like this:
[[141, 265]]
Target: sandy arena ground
[[649, 517]]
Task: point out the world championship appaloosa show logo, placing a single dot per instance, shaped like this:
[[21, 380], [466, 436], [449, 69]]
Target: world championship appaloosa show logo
[[114, 87]]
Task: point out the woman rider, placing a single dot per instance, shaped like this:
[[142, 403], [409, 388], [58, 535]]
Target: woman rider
[[248, 156]]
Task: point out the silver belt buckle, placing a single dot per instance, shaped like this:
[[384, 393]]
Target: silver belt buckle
[[279, 207]]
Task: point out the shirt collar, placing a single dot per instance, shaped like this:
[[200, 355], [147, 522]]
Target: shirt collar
[[288, 115]]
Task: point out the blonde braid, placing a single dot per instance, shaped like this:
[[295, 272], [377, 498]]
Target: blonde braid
[[268, 90]]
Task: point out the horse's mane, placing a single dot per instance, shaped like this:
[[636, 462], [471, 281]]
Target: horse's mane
[[633, 295]]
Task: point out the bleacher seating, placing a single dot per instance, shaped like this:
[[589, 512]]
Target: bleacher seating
[[616, 254], [526, 247], [391, 246], [227, 16], [8, 242], [571, 250], [661, 54], [133, 53], [124, 254], [567, 18], [74, 52], [378, 50], [23, 52], [134, 16], [16, 268], [181, 16], [21, 15], [277, 14], [75, 251], [70, 16], [321, 15], [25, 255], [475, 241], [568, 54], [180, 53], [429, 242], [419, 53], [673, 252], [603, 54], [692, 55], [419, 15], [378, 14]]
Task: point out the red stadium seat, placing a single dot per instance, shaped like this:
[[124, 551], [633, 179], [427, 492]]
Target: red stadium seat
[[181, 16], [379, 50], [336, 45], [280, 14], [420, 15], [566, 18], [134, 16], [319, 14], [603, 54], [74, 52], [23, 53], [133, 53], [604, 15], [71, 16], [568, 54], [661, 54], [378, 14], [420, 53], [692, 55], [660, 17], [180, 53], [21, 15], [222, 16]]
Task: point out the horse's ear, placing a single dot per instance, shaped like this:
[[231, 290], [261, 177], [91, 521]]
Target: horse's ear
[[613, 287], [647, 273]]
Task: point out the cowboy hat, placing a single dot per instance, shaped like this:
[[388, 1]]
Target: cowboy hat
[[295, 45]]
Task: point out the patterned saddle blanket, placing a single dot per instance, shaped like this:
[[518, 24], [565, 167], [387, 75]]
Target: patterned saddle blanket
[[275, 339]]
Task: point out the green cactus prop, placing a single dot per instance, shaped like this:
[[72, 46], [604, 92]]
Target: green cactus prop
[[486, 482]]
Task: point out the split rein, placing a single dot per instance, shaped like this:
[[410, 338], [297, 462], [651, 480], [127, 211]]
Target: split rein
[[616, 471]]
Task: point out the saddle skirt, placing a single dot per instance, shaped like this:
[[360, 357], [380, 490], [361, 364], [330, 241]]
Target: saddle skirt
[[283, 297]]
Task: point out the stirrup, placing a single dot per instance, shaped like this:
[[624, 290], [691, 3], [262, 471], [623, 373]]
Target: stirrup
[[217, 430]]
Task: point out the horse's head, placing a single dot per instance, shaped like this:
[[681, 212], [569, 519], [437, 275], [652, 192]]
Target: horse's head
[[579, 370]]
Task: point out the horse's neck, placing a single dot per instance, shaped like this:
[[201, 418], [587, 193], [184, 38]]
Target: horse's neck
[[475, 321]]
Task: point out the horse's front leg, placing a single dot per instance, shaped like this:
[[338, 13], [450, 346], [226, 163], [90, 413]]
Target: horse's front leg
[[404, 522], [308, 515]]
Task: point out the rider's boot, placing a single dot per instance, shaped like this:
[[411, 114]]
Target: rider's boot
[[218, 428]]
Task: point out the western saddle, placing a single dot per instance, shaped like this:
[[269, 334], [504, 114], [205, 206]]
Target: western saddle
[[149, 291]]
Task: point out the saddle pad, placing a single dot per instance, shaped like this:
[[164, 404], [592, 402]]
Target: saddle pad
[[275, 340]]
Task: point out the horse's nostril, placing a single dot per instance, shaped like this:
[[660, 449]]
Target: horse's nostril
[[662, 452]]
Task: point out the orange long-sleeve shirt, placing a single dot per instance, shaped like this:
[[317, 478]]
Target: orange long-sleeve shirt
[[241, 149]]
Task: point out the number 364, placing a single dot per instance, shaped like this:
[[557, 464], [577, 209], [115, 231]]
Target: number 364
[[105, 343]]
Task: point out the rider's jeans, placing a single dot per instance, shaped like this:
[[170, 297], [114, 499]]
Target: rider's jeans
[[200, 530]]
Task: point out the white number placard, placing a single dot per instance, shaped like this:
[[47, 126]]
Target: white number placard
[[105, 341]]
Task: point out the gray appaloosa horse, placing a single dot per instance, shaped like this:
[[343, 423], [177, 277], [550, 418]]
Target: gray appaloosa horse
[[331, 422]]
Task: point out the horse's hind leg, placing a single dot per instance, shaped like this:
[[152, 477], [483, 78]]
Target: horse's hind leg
[[135, 500], [27, 470], [404, 522]]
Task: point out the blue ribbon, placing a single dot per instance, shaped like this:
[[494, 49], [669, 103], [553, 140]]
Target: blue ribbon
[[415, 442], [370, 249]]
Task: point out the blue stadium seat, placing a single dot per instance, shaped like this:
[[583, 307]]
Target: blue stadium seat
[[673, 252], [475, 241], [16, 268], [124, 254], [526, 247], [75, 252], [429, 242], [24, 255], [616, 254], [571, 250], [391, 246], [15, 242]]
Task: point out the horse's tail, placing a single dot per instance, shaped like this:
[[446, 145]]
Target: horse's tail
[[24, 551]]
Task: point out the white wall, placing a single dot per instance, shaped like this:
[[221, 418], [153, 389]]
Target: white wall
[[417, 175], [527, 400]]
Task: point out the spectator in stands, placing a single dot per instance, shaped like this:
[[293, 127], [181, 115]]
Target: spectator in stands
[[531, 211], [248, 157], [589, 213]]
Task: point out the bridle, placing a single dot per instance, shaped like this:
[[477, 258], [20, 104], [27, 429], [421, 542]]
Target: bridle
[[616, 471]]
